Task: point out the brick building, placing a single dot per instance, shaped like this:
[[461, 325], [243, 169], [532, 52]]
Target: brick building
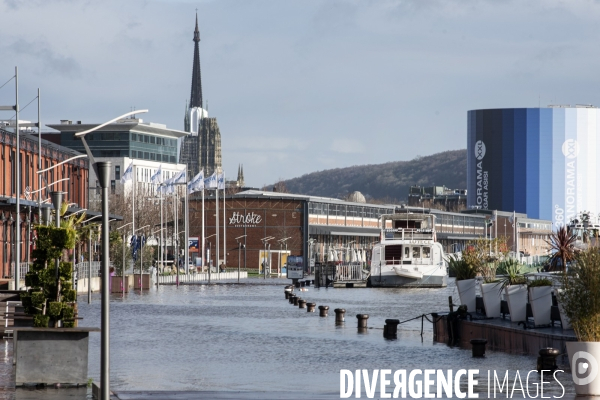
[[76, 188], [299, 225]]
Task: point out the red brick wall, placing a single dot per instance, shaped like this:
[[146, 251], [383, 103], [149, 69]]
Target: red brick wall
[[278, 218]]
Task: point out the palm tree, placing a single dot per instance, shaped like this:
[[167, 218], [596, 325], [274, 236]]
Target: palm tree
[[562, 244]]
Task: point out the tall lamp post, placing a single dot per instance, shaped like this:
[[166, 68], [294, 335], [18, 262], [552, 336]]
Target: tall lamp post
[[265, 240], [204, 255], [239, 253], [102, 169]]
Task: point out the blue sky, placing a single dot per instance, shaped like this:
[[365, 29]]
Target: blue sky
[[301, 86]]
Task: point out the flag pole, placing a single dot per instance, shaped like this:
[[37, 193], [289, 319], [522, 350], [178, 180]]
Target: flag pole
[[217, 223], [224, 225], [203, 239], [133, 180], [186, 228]]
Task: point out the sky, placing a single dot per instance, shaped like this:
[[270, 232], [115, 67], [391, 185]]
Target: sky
[[302, 86]]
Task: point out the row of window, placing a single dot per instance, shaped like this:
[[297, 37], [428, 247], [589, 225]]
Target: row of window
[[145, 155], [347, 210], [138, 137]]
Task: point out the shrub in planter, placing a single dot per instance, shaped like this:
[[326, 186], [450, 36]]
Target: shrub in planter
[[68, 316], [540, 298], [26, 302], [580, 299], [465, 280], [41, 321], [513, 285], [49, 294]]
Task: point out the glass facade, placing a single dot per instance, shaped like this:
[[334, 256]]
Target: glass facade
[[142, 146], [538, 161]]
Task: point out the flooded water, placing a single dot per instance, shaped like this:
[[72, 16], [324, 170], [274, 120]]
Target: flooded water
[[247, 337]]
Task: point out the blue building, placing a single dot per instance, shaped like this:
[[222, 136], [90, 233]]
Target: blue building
[[538, 161]]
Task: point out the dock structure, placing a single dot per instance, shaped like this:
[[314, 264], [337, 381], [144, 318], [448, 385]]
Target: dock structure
[[501, 334], [350, 276]]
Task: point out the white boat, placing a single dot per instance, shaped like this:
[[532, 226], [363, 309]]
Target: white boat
[[408, 255]]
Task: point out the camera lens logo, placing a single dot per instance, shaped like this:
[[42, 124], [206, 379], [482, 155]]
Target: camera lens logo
[[584, 368], [479, 150], [570, 148]]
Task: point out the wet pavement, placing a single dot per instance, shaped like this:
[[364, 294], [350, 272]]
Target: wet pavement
[[248, 339]]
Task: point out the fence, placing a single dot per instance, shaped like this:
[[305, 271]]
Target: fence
[[200, 278], [349, 272], [23, 269], [82, 269]]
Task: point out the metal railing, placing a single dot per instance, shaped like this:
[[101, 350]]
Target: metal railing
[[83, 267], [349, 272], [23, 269]]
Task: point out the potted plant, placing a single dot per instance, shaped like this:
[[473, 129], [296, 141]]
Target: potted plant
[[580, 299], [465, 280], [540, 298], [489, 291], [514, 286]]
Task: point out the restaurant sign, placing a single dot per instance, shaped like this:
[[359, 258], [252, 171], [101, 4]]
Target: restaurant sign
[[249, 220]]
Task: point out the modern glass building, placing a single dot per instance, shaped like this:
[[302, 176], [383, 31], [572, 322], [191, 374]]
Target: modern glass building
[[538, 161]]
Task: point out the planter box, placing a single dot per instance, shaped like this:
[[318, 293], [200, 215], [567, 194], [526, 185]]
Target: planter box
[[540, 298], [145, 281], [51, 355], [466, 293], [564, 320], [116, 284], [491, 299], [516, 297], [582, 354]]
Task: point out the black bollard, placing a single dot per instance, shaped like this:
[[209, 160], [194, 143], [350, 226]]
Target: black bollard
[[547, 359], [291, 298], [302, 283], [296, 299], [362, 320], [390, 329], [478, 347], [323, 311], [287, 294], [310, 307], [307, 283], [339, 315], [301, 303], [297, 284]]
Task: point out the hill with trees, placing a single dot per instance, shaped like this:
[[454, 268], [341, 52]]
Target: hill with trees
[[384, 182]]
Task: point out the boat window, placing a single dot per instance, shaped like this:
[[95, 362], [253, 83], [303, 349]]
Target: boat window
[[416, 252], [426, 252], [407, 252]]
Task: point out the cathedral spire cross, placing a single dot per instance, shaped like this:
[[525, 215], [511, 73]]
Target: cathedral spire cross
[[196, 92]]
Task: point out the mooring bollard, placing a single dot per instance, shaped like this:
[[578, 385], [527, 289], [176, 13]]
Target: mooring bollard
[[287, 294], [547, 359], [390, 329], [297, 284], [301, 303], [291, 298], [289, 288], [339, 315], [478, 347], [323, 311], [296, 299], [302, 283], [310, 307], [307, 283], [362, 320]]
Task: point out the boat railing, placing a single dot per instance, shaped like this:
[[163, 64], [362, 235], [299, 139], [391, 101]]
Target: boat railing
[[408, 234], [349, 272], [413, 261]]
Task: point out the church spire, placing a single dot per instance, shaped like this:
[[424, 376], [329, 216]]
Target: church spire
[[196, 95]]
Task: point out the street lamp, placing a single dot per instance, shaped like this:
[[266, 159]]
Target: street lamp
[[102, 169], [239, 253], [281, 243], [265, 240], [206, 241]]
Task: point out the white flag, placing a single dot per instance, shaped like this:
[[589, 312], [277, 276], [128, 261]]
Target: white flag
[[211, 181], [128, 173], [221, 181], [180, 177], [157, 177], [197, 182]]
